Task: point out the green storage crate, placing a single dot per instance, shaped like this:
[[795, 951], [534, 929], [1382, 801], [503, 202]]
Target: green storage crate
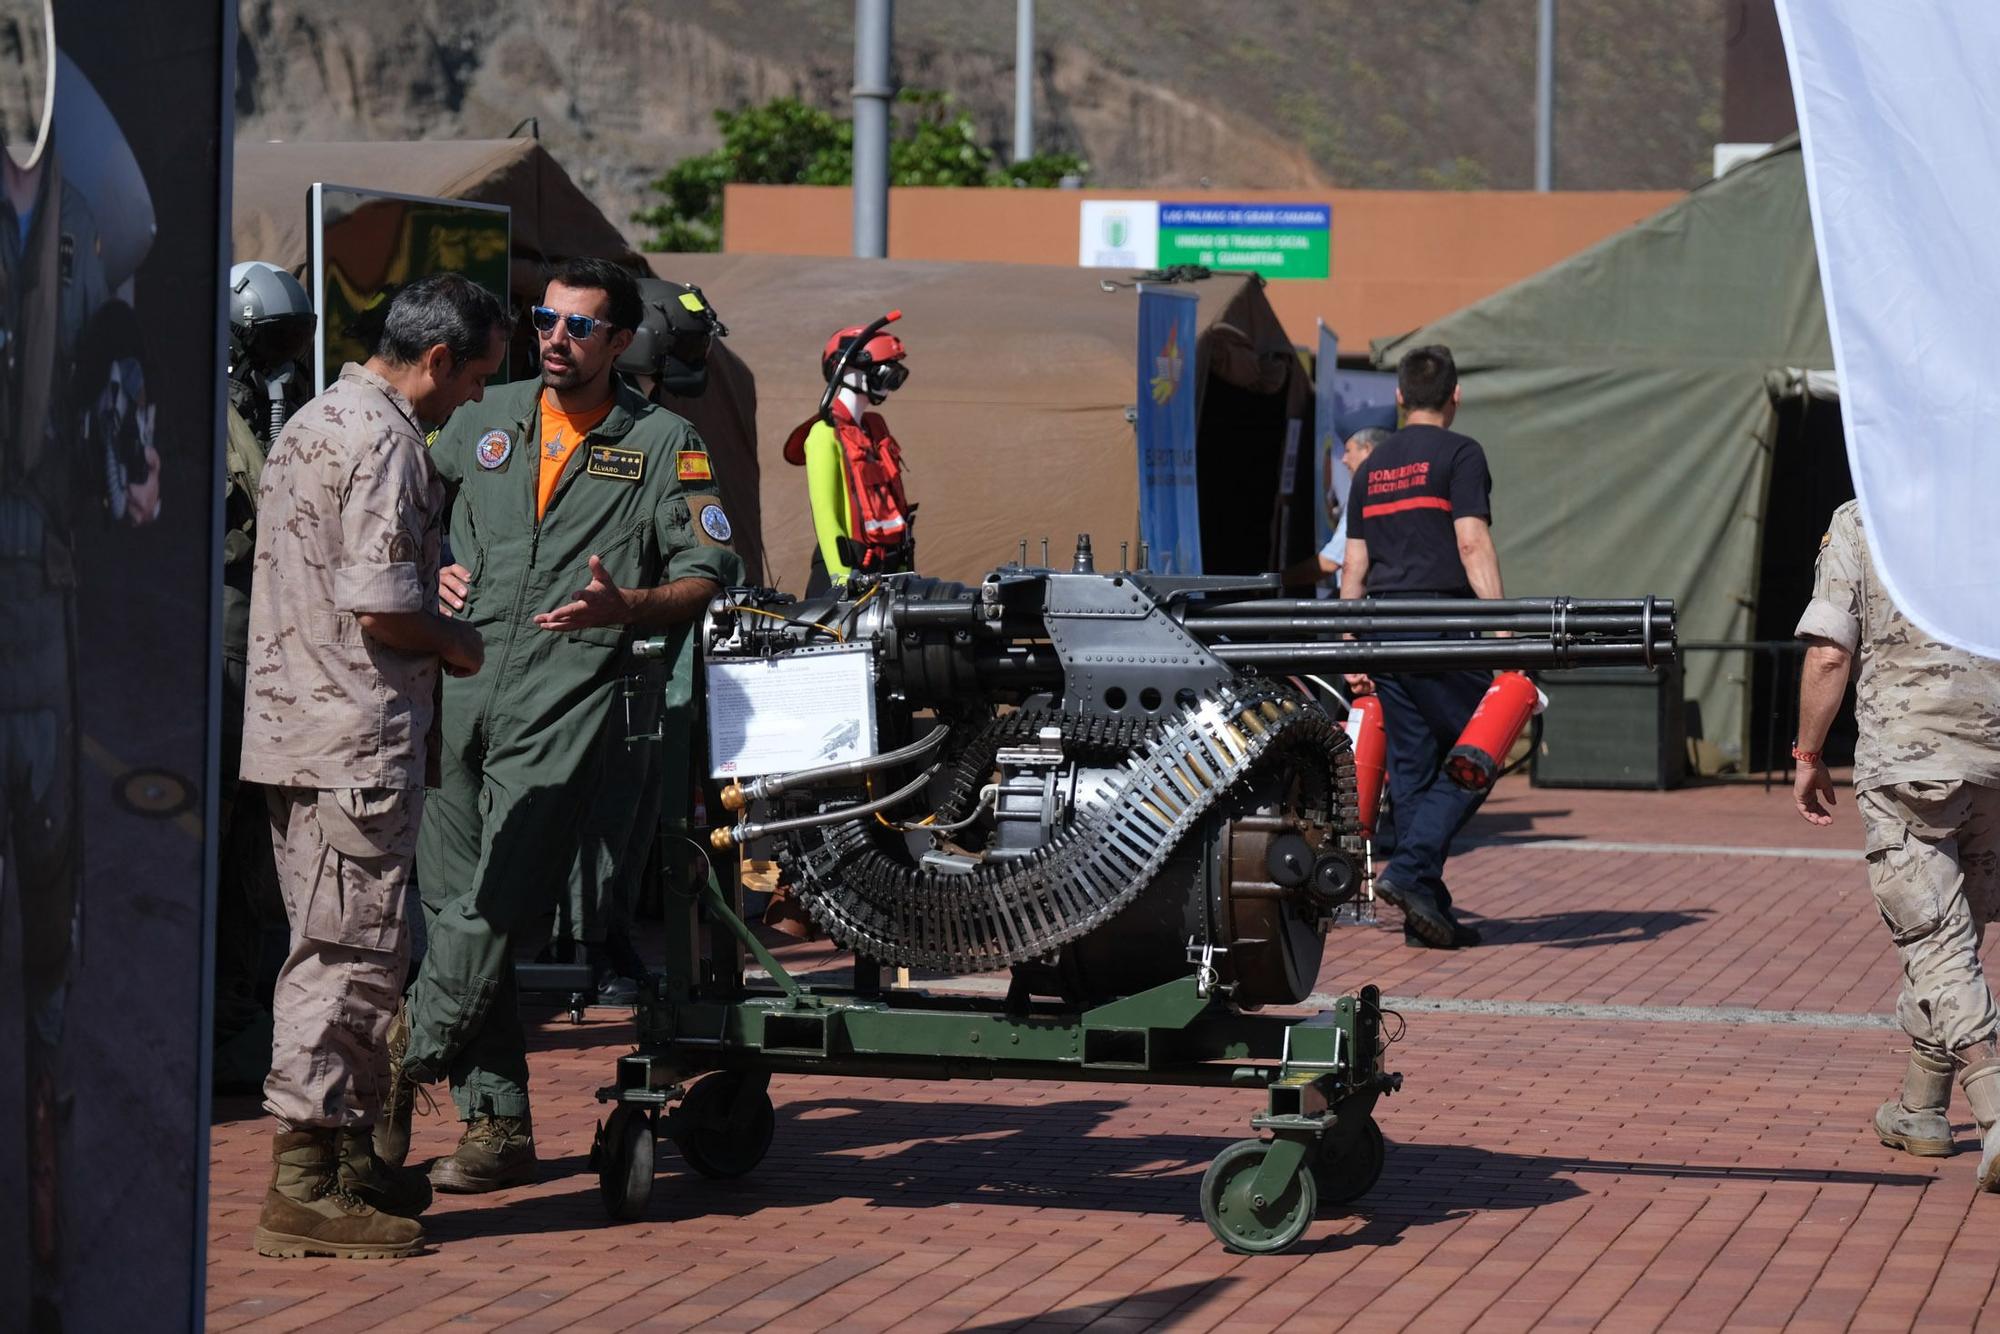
[[1612, 727]]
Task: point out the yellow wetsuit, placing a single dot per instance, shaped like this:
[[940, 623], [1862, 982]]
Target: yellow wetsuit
[[826, 488]]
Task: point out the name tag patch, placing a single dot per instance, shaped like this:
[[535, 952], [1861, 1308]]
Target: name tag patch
[[692, 466], [627, 465]]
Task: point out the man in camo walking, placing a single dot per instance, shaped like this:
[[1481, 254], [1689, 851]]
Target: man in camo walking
[[1927, 783]]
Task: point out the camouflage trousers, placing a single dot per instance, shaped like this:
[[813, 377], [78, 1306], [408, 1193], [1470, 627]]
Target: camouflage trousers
[[1934, 864], [344, 858]]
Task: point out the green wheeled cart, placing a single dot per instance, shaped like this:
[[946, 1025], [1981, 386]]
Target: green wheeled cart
[[701, 1073]]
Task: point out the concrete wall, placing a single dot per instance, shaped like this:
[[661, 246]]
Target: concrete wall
[[1400, 258]]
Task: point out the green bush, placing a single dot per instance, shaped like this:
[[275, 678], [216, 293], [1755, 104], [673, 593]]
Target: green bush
[[786, 142]]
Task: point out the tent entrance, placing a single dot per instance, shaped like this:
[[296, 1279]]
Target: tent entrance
[[1809, 480], [1239, 456]]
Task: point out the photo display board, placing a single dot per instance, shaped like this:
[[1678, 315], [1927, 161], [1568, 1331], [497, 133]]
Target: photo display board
[[368, 244], [117, 117]]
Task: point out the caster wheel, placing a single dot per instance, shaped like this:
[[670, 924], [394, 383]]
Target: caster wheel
[[624, 1161], [1347, 1170], [1238, 1218], [716, 1140]]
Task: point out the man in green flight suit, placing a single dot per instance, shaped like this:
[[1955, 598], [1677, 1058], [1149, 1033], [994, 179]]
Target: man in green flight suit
[[583, 516]]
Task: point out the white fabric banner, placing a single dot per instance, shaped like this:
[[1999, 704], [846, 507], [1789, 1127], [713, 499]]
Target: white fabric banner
[[1899, 117]]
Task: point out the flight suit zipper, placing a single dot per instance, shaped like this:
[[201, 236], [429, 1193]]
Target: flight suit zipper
[[523, 431], [484, 722]]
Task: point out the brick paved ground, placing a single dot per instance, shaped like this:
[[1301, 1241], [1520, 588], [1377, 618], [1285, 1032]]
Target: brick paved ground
[[1545, 1170]]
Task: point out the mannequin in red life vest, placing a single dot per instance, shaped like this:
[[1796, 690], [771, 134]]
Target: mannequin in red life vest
[[854, 469]]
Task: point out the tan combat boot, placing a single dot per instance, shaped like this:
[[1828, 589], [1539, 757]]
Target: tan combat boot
[[392, 1128], [1916, 1122], [494, 1152], [1981, 1082], [308, 1212], [402, 1191]]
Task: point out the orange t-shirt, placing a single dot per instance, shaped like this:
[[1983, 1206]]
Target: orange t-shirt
[[561, 434]]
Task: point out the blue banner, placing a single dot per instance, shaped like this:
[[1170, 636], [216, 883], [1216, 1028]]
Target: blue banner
[[1329, 473], [1169, 504]]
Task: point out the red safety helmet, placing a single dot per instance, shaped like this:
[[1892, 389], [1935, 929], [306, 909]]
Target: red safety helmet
[[880, 359]]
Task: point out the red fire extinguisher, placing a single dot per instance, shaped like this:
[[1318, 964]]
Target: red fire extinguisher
[[1495, 725], [1371, 753]]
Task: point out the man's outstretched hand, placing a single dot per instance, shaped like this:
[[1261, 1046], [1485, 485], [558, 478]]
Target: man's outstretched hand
[[600, 602]]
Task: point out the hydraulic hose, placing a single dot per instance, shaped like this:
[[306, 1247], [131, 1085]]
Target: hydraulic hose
[[737, 796], [737, 835]]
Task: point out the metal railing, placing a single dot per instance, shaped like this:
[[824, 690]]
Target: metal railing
[[1781, 717]]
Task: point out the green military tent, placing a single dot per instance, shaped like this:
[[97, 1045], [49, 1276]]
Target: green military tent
[[1647, 410], [552, 220]]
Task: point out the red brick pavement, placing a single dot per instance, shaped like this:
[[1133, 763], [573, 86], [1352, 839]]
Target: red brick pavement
[[1543, 1172]]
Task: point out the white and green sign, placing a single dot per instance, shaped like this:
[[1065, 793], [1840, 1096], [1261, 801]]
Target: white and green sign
[[1277, 240], [1119, 234]]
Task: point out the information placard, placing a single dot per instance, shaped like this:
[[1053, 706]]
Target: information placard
[[775, 715]]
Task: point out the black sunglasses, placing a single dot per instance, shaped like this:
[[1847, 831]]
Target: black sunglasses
[[580, 327]]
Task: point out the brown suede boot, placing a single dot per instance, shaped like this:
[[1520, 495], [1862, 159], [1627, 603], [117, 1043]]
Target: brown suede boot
[[308, 1212], [494, 1152], [402, 1191], [392, 1128], [1916, 1122]]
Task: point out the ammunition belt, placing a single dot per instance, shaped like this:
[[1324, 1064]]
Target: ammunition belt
[[862, 890]]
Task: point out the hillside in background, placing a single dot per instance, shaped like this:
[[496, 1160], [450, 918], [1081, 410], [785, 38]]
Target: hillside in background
[[1166, 93]]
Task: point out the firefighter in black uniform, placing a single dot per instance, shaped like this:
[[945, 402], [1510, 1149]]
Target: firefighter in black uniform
[[1419, 524]]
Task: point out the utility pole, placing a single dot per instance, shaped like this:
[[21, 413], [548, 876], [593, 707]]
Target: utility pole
[[874, 25], [1545, 97], [1024, 79]]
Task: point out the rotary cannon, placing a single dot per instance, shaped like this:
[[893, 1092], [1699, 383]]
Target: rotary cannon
[[1121, 790]]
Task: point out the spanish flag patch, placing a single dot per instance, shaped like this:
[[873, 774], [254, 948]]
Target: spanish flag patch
[[691, 465]]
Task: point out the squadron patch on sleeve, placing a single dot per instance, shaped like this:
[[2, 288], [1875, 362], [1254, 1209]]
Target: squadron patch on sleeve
[[493, 449], [713, 522], [691, 465]]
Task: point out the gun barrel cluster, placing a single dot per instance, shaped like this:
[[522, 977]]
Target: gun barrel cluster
[[1417, 634]]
